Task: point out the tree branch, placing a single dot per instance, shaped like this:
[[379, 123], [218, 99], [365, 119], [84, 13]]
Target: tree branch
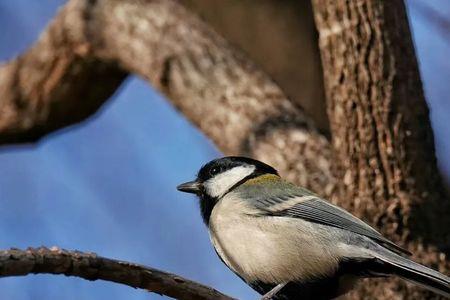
[[89, 266], [83, 55], [281, 38]]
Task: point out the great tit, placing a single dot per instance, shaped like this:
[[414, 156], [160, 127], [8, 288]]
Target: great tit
[[288, 243]]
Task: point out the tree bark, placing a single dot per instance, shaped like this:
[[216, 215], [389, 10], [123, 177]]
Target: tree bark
[[52, 86], [89, 266], [279, 36], [381, 132], [231, 100]]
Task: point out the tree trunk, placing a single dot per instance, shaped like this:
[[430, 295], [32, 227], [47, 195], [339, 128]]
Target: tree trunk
[[381, 132]]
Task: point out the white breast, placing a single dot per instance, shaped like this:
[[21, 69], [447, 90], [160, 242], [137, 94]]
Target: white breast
[[269, 249]]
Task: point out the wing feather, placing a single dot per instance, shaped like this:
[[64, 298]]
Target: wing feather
[[305, 205]]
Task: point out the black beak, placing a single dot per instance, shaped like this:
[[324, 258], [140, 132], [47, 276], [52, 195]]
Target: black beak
[[192, 187]]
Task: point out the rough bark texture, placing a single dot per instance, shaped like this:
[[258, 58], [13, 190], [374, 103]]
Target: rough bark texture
[[15, 262], [381, 132], [214, 85], [52, 86], [281, 37]]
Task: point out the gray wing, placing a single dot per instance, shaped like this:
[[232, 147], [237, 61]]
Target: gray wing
[[305, 205]]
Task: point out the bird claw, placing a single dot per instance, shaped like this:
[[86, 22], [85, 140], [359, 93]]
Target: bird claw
[[267, 297], [272, 292]]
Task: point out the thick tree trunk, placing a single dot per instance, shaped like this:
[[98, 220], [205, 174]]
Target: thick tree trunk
[[381, 131]]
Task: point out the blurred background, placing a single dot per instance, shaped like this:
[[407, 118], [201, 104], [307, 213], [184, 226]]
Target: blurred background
[[108, 185]]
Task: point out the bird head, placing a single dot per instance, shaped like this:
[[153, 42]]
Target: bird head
[[220, 176]]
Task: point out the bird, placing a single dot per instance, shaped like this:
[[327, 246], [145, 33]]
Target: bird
[[286, 242]]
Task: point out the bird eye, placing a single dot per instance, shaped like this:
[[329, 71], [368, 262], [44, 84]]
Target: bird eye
[[214, 171]]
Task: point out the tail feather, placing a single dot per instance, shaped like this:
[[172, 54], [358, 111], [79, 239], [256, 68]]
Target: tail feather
[[415, 272]]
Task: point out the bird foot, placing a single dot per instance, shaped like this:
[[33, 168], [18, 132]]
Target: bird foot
[[272, 292]]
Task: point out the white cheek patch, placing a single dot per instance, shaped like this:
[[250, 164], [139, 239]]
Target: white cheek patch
[[221, 183]]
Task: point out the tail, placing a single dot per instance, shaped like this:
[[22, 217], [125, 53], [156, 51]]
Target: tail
[[414, 272]]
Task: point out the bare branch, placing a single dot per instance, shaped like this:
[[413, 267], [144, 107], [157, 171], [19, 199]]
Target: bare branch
[[83, 55], [89, 266]]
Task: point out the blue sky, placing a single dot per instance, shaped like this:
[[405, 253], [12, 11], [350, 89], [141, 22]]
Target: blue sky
[[108, 185]]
